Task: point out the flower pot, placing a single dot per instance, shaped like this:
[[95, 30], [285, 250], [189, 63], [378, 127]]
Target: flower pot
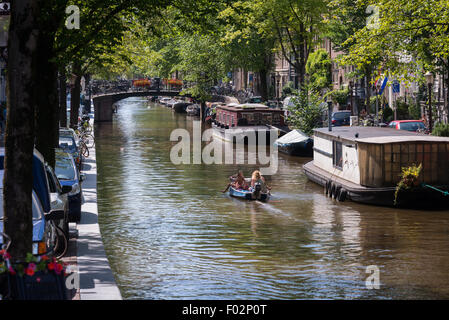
[[40, 286]]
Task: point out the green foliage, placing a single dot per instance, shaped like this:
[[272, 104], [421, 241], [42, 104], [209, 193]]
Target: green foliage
[[409, 38], [340, 96], [441, 130], [307, 112], [318, 68], [288, 88], [414, 111], [409, 179]]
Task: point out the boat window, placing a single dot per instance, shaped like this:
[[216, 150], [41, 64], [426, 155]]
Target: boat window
[[267, 118], [337, 158]]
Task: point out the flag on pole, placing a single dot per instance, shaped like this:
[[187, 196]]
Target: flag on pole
[[384, 84]]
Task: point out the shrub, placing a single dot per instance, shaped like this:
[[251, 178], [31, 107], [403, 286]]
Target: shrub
[[306, 112], [340, 96], [441, 130]]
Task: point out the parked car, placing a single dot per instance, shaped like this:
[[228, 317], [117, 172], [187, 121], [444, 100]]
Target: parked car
[[59, 200], [68, 144], [409, 125], [69, 132], [44, 233], [68, 176], [341, 118]]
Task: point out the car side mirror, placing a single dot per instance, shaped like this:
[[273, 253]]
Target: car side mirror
[[54, 215], [66, 189], [82, 177]]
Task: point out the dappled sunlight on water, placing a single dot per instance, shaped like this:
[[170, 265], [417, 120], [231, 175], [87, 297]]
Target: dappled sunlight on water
[[170, 233]]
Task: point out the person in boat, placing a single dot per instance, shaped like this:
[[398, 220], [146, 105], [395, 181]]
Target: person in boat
[[257, 178], [237, 182]]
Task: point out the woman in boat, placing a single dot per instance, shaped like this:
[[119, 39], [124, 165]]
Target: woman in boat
[[257, 178]]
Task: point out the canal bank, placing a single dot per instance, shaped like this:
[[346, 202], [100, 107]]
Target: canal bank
[[96, 279]]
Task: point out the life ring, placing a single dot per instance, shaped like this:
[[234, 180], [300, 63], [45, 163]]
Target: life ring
[[342, 195]]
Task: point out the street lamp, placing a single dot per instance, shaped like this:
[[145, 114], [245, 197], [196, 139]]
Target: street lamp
[[429, 80], [278, 79], [378, 86], [351, 84]]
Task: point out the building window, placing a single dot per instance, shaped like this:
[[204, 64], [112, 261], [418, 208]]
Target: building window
[[337, 155]]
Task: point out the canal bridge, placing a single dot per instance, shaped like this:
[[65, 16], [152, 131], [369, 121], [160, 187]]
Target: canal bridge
[[103, 103]]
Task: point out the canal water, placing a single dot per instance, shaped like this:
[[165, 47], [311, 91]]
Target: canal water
[[170, 233]]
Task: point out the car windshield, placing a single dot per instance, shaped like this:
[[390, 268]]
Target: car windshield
[[341, 115], [35, 208], [64, 169], [67, 143], [412, 126]]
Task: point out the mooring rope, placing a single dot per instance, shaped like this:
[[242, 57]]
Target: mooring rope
[[446, 193]]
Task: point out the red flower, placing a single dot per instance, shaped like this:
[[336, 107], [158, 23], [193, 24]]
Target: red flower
[[29, 271], [51, 266], [44, 258], [58, 268], [2, 252], [38, 279]]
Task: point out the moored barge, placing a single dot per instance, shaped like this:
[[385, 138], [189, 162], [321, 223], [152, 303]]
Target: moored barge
[[364, 164], [238, 122]]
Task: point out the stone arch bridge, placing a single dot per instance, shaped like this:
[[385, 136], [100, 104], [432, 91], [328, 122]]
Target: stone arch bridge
[[103, 104]]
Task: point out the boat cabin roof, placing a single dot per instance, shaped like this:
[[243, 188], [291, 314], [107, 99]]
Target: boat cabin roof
[[245, 107], [376, 135]]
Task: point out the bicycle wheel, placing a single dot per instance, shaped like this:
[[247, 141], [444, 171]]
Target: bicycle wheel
[[62, 243], [89, 140], [84, 149]]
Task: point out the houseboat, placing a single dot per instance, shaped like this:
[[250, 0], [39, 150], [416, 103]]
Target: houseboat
[[239, 121], [364, 164]]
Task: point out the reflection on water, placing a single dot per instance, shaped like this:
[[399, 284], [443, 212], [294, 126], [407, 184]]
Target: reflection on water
[[170, 233]]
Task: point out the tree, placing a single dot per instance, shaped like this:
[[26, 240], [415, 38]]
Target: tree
[[298, 26], [307, 111], [347, 17], [24, 33], [250, 46], [318, 68]]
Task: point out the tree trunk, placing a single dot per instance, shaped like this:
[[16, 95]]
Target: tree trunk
[[23, 66], [47, 103], [75, 97], [263, 74], [63, 100], [87, 106]]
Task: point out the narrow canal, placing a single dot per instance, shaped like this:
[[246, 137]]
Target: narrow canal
[[170, 233]]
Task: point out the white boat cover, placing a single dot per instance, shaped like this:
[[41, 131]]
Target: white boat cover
[[292, 137]]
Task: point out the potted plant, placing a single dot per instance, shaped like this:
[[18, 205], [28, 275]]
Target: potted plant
[[38, 278]]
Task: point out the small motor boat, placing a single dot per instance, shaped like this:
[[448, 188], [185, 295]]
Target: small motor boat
[[251, 194]]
